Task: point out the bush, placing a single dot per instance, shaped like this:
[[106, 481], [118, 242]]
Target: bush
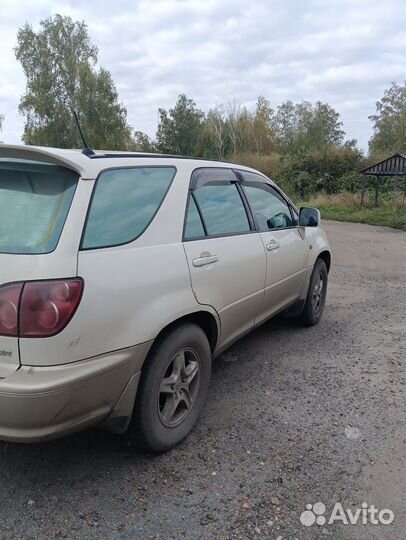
[[350, 181], [268, 165]]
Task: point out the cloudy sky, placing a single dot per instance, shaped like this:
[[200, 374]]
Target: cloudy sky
[[344, 52]]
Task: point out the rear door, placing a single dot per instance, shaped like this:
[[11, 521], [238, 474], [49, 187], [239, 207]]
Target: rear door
[[285, 244], [226, 256]]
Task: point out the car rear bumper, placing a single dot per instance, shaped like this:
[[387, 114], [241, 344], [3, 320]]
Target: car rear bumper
[[39, 403]]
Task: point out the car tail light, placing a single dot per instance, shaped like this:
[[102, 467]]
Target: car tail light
[[38, 308], [9, 301]]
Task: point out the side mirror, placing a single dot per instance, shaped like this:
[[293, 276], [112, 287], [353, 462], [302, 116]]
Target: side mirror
[[279, 221], [309, 217]]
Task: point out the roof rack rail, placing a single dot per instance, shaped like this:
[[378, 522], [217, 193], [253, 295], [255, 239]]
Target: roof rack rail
[[152, 155]]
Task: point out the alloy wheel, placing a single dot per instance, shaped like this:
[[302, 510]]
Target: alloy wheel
[[179, 387], [318, 293]]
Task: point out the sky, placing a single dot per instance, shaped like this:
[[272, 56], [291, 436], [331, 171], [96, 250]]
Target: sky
[[343, 52]]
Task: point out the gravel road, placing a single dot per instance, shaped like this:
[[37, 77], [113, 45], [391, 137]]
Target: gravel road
[[295, 416]]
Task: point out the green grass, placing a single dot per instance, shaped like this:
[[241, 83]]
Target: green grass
[[373, 216], [346, 207]]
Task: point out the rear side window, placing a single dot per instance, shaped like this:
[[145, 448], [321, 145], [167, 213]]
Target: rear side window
[[124, 204], [215, 205], [222, 208], [194, 226], [35, 199]]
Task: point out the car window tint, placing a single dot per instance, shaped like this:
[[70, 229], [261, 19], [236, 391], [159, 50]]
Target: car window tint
[[124, 203], [222, 208], [35, 199], [194, 227], [270, 210]]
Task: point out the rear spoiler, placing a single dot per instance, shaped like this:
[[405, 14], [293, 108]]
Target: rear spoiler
[[46, 155]]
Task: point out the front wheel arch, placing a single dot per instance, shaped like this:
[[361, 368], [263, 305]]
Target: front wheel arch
[[326, 257]]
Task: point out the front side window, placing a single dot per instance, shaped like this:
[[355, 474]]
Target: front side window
[[35, 198], [124, 204], [295, 216], [270, 209], [222, 208]]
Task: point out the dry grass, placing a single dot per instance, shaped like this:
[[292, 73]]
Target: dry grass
[[353, 200]]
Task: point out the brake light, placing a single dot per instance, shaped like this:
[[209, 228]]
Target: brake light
[[38, 308], [9, 300]]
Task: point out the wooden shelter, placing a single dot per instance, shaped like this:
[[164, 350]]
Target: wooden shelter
[[392, 166]]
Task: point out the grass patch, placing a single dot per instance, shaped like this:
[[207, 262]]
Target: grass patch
[[347, 207]]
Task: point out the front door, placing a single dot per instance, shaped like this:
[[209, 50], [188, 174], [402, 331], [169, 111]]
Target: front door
[[285, 245], [226, 256]]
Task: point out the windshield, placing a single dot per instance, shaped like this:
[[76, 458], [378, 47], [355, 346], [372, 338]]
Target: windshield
[[34, 201]]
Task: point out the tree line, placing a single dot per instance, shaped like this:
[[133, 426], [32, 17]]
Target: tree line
[[301, 145]]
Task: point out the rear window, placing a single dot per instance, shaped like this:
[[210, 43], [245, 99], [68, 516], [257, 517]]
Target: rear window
[[124, 203], [34, 201]]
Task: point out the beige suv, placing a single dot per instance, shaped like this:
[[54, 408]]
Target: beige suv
[[123, 275]]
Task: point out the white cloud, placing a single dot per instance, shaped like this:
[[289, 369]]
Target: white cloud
[[345, 52]]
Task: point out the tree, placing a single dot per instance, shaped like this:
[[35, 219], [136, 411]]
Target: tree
[[239, 123], [262, 132], [319, 125], [217, 130], [59, 62], [303, 126], [389, 122], [180, 129], [285, 125], [143, 143]]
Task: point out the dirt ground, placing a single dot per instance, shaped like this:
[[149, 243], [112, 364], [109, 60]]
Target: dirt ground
[[294, 417]]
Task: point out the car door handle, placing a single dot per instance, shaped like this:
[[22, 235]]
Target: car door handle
[[273, 244], [205, 258]]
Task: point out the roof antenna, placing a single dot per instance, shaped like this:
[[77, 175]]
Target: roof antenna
[[87, 151]]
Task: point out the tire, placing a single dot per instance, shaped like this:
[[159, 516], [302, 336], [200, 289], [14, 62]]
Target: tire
[[172, 390], [316, 295]]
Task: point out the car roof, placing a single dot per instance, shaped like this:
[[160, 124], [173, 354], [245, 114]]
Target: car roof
[[89, 166]]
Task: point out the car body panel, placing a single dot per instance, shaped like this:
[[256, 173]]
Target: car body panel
[[240, 269], [126, 300], [39, 403], [286, 269], [318, 243], [9, 355]]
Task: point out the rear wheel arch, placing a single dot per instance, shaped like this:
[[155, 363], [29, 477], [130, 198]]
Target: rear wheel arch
[[204, 319]]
